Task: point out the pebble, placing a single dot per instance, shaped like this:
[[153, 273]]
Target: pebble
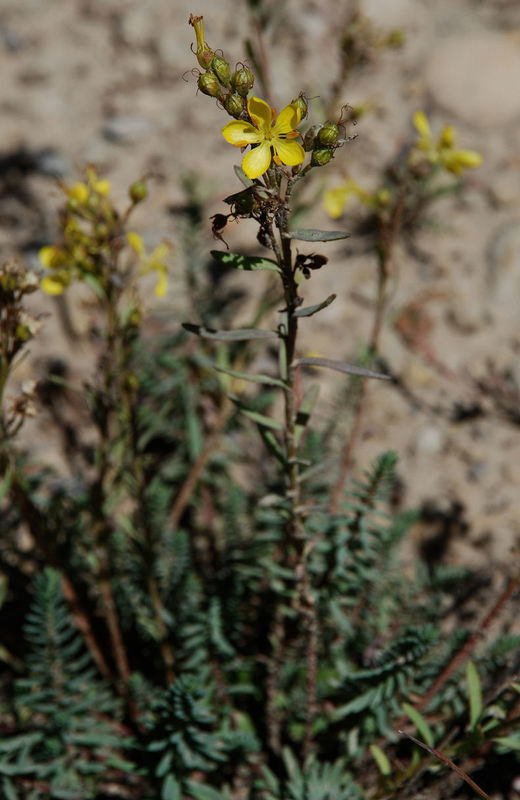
[[429, 441], [465, 312], [126, 129], [474, 77], [52, 163]]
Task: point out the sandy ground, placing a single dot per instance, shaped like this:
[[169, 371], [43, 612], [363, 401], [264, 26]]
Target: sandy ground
[[102, 81]]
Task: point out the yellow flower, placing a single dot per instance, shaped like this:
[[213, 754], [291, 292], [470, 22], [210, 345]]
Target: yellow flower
[[335, 200], [266, 136], [81, 191], [443, 151], [52, 259], [155, 262]]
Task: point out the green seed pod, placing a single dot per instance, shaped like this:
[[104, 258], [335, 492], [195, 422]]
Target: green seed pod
[[234, 104], [138, 192], [301, 102], [309, 140], [328, 134], [208, 84], [321, 157], [221, 68], [242, 81]]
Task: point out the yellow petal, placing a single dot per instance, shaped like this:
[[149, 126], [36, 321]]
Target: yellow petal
[[257, 161], [102, 186], [79, 192], [457, 161], [290, 153], [422, 126], [240, 133], [288, 118], [447, 137], [334, 201], [260, 113], [162, 284], [135, 242], [47, 255], [51, 286], [159, 256]]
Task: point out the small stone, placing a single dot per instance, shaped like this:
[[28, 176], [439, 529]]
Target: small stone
[[466, 313], [126, 129], [52, 163], [474, 77], [429, 441]]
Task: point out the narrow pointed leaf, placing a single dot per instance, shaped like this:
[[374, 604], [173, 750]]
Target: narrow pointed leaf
[[475, 694], [272, 444], [313, 235], [308, 311], [239, 335], [247, 376], [246, 263], [305, 410], [342, 366], [419, 722], [260, 419], [381, 759]]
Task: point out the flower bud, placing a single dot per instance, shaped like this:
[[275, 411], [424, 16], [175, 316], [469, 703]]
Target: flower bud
[[138, 192], [321, 157], [234, 104], [242, 81], [208, 84], [310, 137], [221, 68], [328, 134], [204, 53], [302, 104]]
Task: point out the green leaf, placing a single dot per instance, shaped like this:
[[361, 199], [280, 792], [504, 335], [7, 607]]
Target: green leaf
[[272, 445], [239, 335], [510, 742], [201, 791], [242, 177], [260, 419], [475, 694], [246, 263], [247, 376], [341, 366], [420, 723], [312, 235], [171, 789], [95, 285], [305, 410], [308, 311], [381, 760]]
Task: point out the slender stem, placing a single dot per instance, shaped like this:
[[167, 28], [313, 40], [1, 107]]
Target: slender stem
[[295, 532]]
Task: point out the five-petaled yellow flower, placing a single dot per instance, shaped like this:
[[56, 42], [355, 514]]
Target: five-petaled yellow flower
[[443, 150], [266, 136]]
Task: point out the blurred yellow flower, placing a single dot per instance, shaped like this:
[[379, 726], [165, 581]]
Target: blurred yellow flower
[[52, 259], [266, 136], [155, 262], [443, 150], [335, 200]]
